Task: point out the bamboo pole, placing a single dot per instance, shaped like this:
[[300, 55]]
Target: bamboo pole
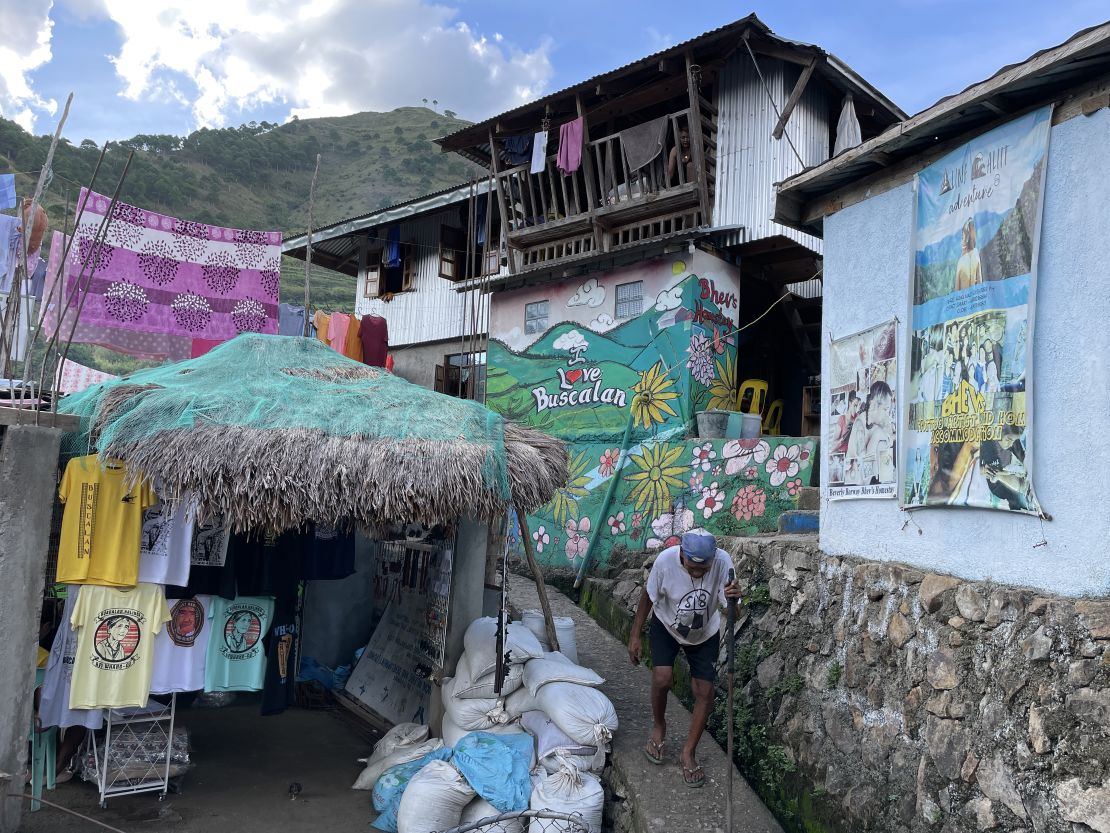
[[541, 590], [308, 244]]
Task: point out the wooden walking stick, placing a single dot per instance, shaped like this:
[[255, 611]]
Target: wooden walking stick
[[730, 705]]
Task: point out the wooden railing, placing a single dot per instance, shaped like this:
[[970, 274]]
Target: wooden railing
[[617, 184]]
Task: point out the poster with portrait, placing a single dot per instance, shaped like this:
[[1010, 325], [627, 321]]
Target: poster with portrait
[[861, 451], [976, 236]]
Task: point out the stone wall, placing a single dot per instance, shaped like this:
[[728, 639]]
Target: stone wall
[[873, 696]]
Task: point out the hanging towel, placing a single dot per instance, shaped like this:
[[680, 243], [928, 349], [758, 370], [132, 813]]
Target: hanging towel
[[7, 190], [74, 377], [570, 146], [644, 142], [847, 128], [539, 152], [392, 248], [518, 149]]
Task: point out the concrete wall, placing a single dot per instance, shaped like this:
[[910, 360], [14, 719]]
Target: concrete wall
[[417, 363], [339, 615], [867, 281]]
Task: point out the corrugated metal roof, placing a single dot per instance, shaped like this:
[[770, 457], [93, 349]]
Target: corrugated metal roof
[[1042, 77], [831, 66]]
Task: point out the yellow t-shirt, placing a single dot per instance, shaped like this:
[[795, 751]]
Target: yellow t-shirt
[[115, 645], [320, 321], [102, 524]]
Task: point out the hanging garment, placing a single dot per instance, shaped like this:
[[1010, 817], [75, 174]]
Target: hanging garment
[[181, 647], [37, 270], [7, 190], [392, 258], [115, 645], [643, 143], [101, 525], [54, 707], [570, 146], [211, 567], [328, 554], [518, 149], [160, 282], [338, 325], [167, 542], [321, 321], [539, 153], [480, 218], [290, 320], [25, 323], [847, 127], [373, 330], [352, 346], [236, 660], [74, 377], [200, 346], [9, 250]]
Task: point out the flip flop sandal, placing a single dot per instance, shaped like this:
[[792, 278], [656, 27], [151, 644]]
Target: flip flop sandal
[[694, 777], [654, 752]]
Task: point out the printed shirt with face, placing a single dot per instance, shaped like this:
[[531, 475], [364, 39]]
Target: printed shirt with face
[[181, 649], [102, 524], [166, 542], [689, 608], [116, 630], [236, 658]]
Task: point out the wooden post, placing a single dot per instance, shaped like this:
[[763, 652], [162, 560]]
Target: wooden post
[[795, 97], [541, 590], [697, 141], [308, 243], [506, 226], [591, 174]]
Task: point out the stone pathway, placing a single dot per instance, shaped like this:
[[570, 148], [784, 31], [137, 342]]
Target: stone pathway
[[661, 802]]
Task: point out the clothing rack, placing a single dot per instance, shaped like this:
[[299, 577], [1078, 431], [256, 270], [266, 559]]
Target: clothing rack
[[150, 729]]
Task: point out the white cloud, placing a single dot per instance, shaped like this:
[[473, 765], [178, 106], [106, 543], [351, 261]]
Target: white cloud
[[590, 294], [25, 30], [669, 299], [602, 322], [319, 57], [570, 341]]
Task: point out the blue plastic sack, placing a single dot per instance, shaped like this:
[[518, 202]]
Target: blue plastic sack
[[496, 766], [391, 786]]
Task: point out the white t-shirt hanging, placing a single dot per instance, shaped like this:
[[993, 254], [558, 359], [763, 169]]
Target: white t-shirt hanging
[[689, 608], [167, 542], [54, 707], [181, 647]]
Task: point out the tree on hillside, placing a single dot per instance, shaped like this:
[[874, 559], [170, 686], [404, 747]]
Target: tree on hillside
[[450, 114]]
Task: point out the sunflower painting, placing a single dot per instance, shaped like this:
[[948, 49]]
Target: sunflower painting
[[564, 506], [651, 397], [661, 471], [722, 391]]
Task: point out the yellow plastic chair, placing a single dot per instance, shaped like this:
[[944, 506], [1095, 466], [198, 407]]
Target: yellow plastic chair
[[756, 389], [772, 420]]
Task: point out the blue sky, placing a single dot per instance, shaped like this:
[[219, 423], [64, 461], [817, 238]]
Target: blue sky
[[170, 66]]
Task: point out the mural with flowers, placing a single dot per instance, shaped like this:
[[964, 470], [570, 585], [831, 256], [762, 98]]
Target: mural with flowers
[[592, 381]]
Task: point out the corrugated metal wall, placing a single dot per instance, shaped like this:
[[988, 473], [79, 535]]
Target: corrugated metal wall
[[433, 310], [749, 160]]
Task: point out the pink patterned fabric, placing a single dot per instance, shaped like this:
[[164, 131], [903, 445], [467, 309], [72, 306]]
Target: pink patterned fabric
[[161, 282], [74, 377]]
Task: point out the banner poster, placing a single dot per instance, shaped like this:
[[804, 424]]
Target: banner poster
[[863, 423], [976, 235]]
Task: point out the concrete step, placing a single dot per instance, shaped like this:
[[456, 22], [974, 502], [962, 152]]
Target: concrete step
[[800, 521], [655, 798], [809, 498]]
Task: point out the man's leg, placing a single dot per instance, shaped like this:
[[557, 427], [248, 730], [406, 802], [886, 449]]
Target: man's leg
[[703, 705], [703, 671], [664, 650], [661, 679]]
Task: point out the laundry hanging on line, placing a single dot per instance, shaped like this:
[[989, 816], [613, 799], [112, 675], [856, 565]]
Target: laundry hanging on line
[[570, 145]]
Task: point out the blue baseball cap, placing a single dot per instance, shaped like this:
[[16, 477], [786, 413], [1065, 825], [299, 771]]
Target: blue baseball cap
[[699, 547]]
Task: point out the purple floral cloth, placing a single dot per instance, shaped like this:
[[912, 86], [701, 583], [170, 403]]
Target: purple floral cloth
[[161, 282]]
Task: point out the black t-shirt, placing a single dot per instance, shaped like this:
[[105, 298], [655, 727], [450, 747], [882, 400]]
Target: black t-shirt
[[328, 554]]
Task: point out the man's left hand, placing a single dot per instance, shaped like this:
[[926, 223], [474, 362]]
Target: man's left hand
[[732, 591]]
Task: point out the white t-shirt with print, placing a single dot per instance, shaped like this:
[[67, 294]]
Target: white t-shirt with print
[[181, 647], [689, 608], [167, 542]]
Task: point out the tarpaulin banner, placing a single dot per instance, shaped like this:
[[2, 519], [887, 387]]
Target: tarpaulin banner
[[976, 236], [863, 423]]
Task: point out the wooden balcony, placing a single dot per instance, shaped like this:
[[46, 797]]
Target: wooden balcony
[[550, 217]]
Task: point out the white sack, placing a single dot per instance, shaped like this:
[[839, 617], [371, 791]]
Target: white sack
[[401, 754], [564, 632], [555, 668], [584, 714], [453, 733], [403, 734], [474, 713], [551, 742], [567, 791], [483, 687], [434, 799], [519, 702], [479, 809], [480, 646]]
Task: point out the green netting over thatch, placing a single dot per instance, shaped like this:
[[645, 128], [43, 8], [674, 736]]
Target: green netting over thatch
[[275, 431]]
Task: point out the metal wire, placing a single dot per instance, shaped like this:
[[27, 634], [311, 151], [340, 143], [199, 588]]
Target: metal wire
[[534, 821]]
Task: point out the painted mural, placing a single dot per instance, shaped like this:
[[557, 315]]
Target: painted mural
[[624, 395]]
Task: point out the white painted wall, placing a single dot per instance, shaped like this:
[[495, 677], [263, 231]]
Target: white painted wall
[[867, 280]]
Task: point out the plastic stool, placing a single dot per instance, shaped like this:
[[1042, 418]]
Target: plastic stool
[[757, 388], [44, 754], [772, 420]]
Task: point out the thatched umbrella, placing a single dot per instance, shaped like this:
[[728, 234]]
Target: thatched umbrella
[[276, 431]]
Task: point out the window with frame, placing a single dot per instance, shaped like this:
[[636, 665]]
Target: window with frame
[[630, 299], [382, 280], [452, 253], [462, 375], [535, 317]]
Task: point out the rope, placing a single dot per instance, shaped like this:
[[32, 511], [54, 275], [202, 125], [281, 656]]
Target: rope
[[73, 813], [766, 89]]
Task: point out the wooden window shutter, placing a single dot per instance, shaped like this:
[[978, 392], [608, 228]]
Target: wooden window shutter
[[452, 252], [440, 386]]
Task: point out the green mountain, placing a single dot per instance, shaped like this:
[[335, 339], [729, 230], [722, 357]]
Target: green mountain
[[255, 176]]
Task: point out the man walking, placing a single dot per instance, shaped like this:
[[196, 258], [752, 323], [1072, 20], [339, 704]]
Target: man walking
[[685, 590]]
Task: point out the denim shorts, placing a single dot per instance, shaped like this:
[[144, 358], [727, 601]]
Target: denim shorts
[[702, 658]]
